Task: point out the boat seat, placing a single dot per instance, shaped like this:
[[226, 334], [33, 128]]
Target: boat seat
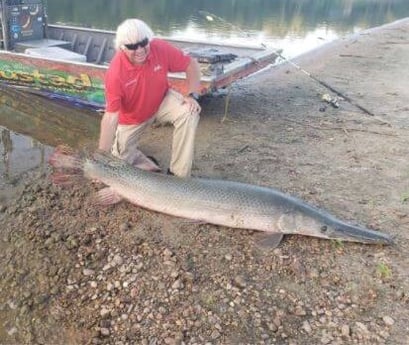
[[20, 47], [56, 53]]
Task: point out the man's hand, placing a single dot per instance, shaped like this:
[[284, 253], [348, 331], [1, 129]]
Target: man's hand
[[194, 106], [109, 123], [193, 84]]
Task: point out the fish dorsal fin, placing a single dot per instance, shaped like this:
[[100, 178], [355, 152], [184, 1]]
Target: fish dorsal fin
[[270, 240], [109, 159]]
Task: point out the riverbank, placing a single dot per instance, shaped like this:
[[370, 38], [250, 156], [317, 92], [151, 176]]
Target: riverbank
[[75, 273]]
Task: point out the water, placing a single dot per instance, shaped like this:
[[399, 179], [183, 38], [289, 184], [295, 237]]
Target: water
[[293, 25], [30, 127]]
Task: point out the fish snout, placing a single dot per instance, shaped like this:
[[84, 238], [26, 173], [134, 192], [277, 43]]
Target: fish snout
[[353, 233]]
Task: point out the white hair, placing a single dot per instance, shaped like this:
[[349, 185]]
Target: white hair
[[132, 31]]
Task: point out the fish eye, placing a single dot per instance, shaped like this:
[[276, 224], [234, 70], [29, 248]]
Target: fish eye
[[324, 228]]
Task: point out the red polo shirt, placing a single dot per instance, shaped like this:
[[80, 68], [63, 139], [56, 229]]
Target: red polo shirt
[[136, 91]]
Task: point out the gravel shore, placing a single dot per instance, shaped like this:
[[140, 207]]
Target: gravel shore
[[75, 273]]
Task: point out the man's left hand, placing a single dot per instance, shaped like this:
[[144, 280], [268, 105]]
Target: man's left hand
[[194, 106]]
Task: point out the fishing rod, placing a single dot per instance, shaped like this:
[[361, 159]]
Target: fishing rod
[[210, 17]]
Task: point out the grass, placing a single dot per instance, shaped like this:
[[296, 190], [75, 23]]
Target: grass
[[404, 198], [337, 243], [383, 270]]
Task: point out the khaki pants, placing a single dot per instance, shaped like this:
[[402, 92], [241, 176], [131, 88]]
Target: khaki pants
[[172, 110]]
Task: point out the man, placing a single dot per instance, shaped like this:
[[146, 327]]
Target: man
[[137, 94]]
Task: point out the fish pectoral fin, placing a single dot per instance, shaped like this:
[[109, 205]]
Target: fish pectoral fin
[[271, 240], [107, 197]]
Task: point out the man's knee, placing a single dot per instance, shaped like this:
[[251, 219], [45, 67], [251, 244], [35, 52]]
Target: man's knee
[[195, 116]]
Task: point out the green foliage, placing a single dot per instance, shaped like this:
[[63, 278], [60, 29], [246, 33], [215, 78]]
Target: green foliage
[[404, 198], [337, 243], [383, 270]]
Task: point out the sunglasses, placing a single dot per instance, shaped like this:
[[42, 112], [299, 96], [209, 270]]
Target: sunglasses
[[135, 46]]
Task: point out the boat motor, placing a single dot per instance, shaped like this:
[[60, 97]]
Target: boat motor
[[21, 20]]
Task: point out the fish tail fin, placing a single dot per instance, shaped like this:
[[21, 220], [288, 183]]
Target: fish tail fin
[[67, 166], [64, 157], [65, 178]]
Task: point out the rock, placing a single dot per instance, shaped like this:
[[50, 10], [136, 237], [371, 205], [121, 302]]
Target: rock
[[105, 324], [300, 311], [117, 260], [215, 335], [12, 331], [361, 327], [177, 285], [306, 327], [345, 331], [88, 272], [167, 253], [124, 227], [277, 321], [326, 339], [104, 312], [272, 327], [96, 341], [240, 281], [105, 332], [174, 274], [12, 304], [170, 341], [388, 320]]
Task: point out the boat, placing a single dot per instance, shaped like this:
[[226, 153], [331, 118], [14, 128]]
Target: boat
[[68, 63]]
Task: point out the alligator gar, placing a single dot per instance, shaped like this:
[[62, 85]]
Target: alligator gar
[[220, 202]]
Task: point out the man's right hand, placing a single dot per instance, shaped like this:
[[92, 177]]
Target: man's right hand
[[109, 124]]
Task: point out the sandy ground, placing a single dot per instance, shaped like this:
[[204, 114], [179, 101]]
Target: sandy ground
[[74, 273]]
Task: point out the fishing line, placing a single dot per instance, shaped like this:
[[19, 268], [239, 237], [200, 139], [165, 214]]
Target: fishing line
[[210, 17]]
